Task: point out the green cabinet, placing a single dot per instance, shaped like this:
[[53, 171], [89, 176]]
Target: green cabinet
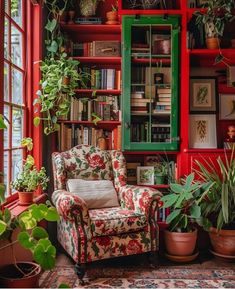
[[150, 82]]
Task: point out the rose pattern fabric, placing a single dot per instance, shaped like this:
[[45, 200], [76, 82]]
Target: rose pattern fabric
[[89, 235], [113, 221]]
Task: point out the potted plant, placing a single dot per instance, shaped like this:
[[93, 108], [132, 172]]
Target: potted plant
[[112, 16], [60, 77], [181, 235], [30, 178], [31, 236], [218, 204], [160, 173], [213, 19]]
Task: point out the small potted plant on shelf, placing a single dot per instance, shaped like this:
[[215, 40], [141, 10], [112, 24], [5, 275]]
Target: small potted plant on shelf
[[181, 235], [216, 14], [160, 173], [112, 16], [30, 178], [218, 204]]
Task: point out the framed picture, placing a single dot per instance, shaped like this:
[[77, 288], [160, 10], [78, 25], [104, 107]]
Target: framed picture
[[203, 93], [227, 106], [131, 169], [145, 175], [203, 131]]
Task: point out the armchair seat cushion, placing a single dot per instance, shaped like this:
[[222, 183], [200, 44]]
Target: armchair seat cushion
[[113, 221]]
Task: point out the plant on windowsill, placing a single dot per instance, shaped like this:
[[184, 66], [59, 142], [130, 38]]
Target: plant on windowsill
[[29, 178], [217, 13], [183, 201], [218, 204]]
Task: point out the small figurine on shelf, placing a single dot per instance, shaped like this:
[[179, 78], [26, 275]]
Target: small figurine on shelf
[[230, 141], [112, 16]]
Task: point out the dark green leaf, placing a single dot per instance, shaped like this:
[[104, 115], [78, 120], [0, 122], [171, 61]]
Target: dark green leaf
[[195, 211], [25, 240], [39, 233], [172, 215]]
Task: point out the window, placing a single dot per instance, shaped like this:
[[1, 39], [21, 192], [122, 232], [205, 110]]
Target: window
[[14, 82]]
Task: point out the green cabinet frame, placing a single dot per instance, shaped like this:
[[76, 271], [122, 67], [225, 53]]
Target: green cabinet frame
[[129, 21]]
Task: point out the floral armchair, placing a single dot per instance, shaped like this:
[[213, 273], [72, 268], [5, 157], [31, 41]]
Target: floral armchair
[[93, 234]]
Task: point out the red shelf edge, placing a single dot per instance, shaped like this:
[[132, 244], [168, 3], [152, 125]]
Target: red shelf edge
[[101, 91]]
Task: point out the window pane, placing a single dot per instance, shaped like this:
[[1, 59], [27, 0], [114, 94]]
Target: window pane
[[6, 131], [17, 127], [6, 2], [16, 46], [17, 156], [6, 35], [5, 175], [17, 87], [6, 82], [16, 11]]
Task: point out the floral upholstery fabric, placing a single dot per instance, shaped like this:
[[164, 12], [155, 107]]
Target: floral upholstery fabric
[[82, 162], [113, 221], [89, 235]]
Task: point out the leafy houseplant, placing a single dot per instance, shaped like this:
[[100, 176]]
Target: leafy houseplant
[[218, 204], [214, 18], [160, 173], [30, 178], [185, 214], [59, 79]]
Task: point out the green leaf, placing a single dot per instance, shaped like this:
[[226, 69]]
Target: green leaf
[[224, 202], [51, 25], [219, 58], [2, 124], [2, 193], [27, 142], [28, 221], [195, 211], [25, 240], [6, 215], [64, 285], [177, 188], [53, 47], [36, 121], [188, 181], [172, 216], [169, 200], [39, 233], [52, 215], [3, 227], [45, 256]]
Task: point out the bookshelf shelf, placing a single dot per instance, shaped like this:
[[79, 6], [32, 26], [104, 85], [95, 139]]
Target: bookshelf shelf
[[103, 124], [98, 91], [165, 61], [99, 60], [91, 28]]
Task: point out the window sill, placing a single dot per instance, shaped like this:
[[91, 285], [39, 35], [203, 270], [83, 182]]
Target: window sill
[[17, 209]]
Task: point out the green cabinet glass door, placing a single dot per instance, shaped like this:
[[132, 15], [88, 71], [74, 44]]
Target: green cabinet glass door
[[150, 78]]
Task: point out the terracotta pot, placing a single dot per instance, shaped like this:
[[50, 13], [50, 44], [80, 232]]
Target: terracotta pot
[[180, 244], [223, 241], [11, 277], [212, 43], [102, 143], [25, 198], [112, 17]]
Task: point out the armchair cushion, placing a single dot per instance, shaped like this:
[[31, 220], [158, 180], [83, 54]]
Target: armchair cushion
[[97, 194], [113, 221]]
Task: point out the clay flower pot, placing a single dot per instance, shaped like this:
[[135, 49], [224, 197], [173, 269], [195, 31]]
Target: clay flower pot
[[112, 17], [25, 198], [223, 241], [212, 43]]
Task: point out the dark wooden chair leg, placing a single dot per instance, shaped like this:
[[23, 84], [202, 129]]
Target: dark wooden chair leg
[[153, 258], [80, 271]]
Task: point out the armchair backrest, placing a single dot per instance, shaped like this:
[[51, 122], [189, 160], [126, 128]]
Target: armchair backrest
[[88, 163]]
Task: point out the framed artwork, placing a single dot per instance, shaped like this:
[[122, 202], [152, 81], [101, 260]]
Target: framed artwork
[[203, 131], [227, 106], [131, 169], [145, 175], [203, 93]]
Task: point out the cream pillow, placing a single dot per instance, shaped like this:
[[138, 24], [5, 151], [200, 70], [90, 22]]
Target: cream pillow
[[96, 194]]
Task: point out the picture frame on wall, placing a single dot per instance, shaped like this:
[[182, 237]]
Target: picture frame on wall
[[202, 131], [145, 175], [203, 94], [227, 106]]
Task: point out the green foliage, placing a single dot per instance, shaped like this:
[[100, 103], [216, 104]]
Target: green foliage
[[54, 97], [2, 123], [184, 204], [219, 201], [218, 12], [32, 236], [30, 178]]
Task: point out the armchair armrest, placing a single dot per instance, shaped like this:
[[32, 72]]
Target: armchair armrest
[[72, 208], [141, 199]]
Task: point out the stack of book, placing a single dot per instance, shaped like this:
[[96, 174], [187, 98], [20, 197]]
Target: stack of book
[[139, 104], [163, 104], [161, 132]]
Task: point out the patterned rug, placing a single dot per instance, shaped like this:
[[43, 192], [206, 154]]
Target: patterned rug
[[133, 277]]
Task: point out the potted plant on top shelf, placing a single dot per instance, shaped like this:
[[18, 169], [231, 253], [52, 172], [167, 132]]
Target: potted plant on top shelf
[[181, 235], [218, 203], [216, 14], [29, 178], [112, 16]]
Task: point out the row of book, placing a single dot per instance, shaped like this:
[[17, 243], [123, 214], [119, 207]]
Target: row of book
[[106, 107], [72, 135], [105, 78]]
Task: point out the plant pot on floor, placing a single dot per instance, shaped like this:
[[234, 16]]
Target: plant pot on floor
[[25, 198], [180, 244], [11, 277], [223, 241]]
